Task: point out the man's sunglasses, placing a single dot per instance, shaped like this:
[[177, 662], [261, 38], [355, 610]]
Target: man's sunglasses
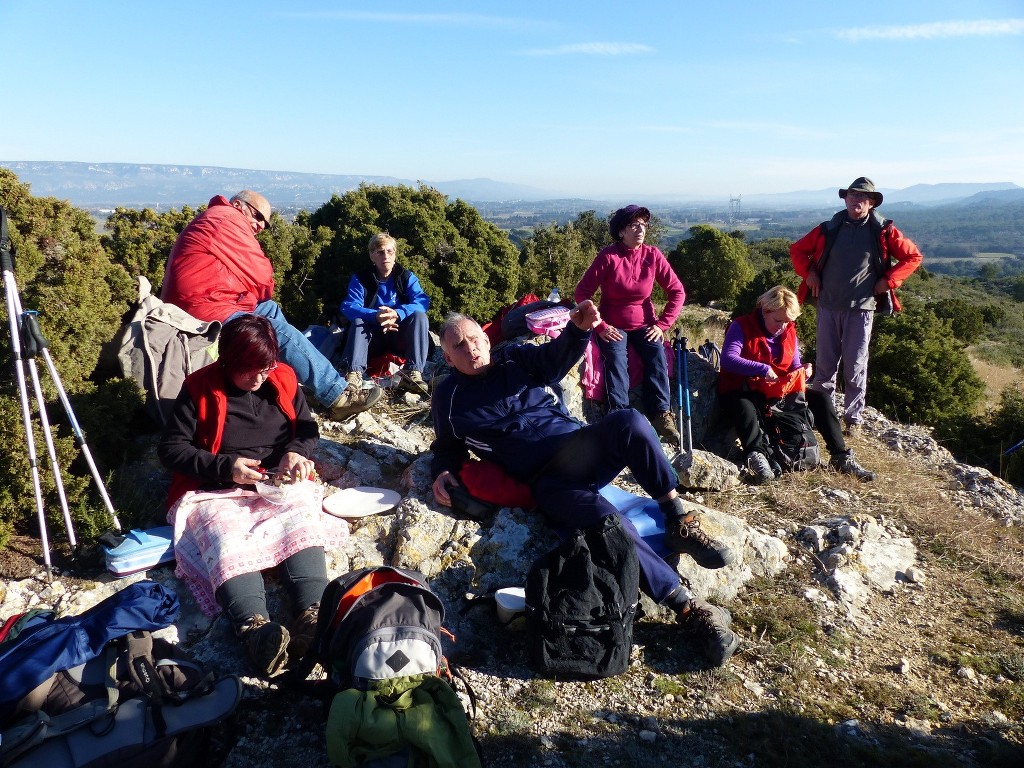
[[256, 214]]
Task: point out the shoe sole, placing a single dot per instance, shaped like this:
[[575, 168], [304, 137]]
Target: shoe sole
[[346, 412], [712, 561]]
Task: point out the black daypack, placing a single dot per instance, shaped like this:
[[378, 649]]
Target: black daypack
[[581, 599], [790, 430], [142, 703]]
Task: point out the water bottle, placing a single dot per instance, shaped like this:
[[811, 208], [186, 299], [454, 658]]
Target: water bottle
[[554, 295]]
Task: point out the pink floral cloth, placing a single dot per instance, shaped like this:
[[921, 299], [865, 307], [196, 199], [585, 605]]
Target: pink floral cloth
[[222, 534]]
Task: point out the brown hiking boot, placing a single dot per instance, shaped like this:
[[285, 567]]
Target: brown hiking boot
[[302, 630], [684, 535], [665, 425], [709, 625], [355, 398], [412, 381], [266, 643]]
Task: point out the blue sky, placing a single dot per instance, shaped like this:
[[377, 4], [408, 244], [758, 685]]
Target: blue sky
[[577, 97]]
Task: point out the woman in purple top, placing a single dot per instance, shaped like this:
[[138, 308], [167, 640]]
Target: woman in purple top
[[761, 363]]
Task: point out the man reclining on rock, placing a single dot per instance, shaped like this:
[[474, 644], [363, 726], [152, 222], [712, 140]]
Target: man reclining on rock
[[506, 410]]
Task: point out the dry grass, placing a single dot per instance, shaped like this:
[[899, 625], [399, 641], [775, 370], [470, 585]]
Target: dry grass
[[996, 378]]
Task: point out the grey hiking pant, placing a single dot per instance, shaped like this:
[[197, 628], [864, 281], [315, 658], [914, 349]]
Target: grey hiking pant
[[843, 335]]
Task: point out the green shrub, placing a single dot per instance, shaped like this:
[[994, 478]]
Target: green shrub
[[918, 370]]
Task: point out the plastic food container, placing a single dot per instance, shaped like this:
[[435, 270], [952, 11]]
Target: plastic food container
[[548, 322], [275, 494]]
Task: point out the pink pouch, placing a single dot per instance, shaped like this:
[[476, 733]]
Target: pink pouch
[[548, 322]]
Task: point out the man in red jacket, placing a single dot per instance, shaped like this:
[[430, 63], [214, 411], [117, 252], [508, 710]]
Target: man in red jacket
[[851, 267], [218, 270]]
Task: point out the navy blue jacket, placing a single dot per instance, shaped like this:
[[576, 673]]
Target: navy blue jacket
[[512, 414]]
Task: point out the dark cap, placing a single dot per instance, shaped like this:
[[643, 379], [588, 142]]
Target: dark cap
[[865, 185], [622, 217]]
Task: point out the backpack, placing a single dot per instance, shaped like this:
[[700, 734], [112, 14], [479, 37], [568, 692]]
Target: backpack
[[142, 702], [378, 636], [375, 624], [581, 599], [161, 344], [790, 430]]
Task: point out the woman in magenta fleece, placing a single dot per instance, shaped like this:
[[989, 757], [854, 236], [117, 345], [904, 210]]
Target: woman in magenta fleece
[[625, 273]]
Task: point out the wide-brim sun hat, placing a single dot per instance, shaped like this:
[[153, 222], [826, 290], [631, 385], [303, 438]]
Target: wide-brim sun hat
[[865, 185], [621, 218]]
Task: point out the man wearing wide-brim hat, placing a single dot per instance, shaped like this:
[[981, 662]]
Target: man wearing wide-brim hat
[[851, 267]]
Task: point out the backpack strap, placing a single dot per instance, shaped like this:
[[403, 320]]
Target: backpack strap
[[33, 730]]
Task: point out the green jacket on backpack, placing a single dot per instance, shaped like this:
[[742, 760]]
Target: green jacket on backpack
[[419, 711]]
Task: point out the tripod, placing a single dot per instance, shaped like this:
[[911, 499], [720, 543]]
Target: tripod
[[27, 343]]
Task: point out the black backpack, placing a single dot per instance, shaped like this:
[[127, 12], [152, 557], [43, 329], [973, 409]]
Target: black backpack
[[790, 430], [581, 599], [142, 703]]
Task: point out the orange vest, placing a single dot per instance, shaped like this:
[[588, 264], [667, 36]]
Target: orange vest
[[755, 347]]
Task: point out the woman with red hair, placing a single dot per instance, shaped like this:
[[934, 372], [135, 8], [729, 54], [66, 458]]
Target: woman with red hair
[[234, 421]]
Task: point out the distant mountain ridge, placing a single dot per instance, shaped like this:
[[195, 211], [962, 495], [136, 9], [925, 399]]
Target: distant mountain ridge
[[155, 185], [99, 185]]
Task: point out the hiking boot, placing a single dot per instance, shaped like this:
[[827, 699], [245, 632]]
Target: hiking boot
[[845, 464], [354, 398], [266, 642], [709, 625], [852, 428], [684, 535], [302, 630], [759, 467], [665, 425], [412, 381]]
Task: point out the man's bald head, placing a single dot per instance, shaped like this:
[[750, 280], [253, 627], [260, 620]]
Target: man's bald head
[[256, 200]]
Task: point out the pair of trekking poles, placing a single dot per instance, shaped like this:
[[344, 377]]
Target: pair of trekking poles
[[28, 343], [683, 396]]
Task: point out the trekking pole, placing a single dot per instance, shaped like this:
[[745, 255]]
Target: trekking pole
[[686, 399], [677, 347], [40, 345], [1014, 448], [29, 350], [11, 291]]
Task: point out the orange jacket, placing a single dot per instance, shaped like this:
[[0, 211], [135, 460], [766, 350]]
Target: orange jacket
[[899, 256]]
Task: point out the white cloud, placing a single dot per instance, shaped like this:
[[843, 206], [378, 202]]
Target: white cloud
[[592, 49], [936, 30]]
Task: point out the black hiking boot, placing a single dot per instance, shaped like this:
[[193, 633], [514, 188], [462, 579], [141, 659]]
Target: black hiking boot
[[685, 536], [759, 468], [708, 625], [844, 463]]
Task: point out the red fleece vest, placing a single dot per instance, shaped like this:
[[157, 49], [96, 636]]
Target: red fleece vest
[[208, 391], [755, 347]]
